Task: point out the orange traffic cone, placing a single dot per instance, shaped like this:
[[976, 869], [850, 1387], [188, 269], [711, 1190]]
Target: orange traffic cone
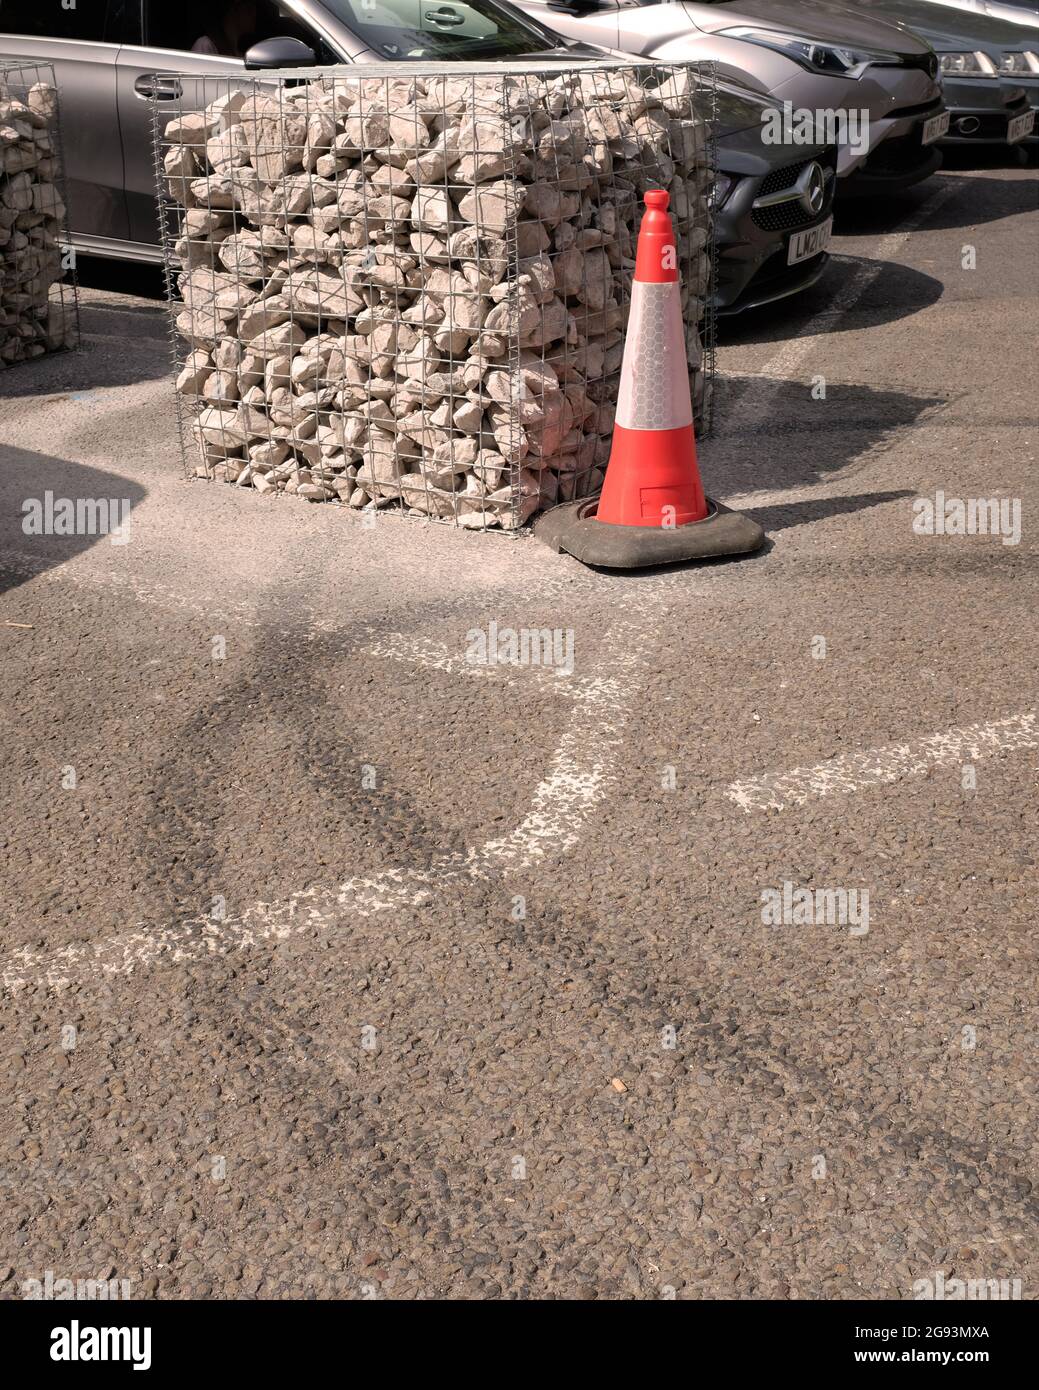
[[652, 478], [652, 508]]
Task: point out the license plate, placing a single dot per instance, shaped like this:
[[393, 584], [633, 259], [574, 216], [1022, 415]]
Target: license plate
[[804, 245], [935, 128], [1020, 126]]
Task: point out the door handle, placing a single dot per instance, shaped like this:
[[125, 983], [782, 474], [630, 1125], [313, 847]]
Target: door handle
[[444, 16], [161, 88]]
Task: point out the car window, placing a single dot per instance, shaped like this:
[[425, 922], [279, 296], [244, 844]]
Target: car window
[[411, 29], [123, 21], [49, 19], [219, 27]]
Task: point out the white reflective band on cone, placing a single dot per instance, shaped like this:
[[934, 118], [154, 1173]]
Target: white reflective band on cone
[[654, 389]]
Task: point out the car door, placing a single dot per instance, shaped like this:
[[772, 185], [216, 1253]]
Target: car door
[[157, 59], [437, 16], [145, 68], [81, 43]]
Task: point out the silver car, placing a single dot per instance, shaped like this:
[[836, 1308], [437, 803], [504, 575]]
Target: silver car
[[816, 56], [1019, 12], [112, 56]]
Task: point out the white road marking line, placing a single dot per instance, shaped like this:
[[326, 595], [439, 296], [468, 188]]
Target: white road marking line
[[854, 772], [577, 779], [410, 650]]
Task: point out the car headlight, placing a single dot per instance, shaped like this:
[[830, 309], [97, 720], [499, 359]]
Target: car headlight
[[966, 65], [720, 189], [835, 60], [1022, 63]]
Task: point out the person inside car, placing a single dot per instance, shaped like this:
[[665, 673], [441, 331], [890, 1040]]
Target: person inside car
[[230, 36]]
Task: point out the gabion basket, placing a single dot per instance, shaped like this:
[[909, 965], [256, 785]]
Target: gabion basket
[[37, 290], [411, 290]]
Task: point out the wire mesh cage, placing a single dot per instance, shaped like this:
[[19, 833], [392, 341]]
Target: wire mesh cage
[[411, 290], [37, 286]]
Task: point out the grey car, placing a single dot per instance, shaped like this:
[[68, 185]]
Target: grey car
[[815, 56], [990, 70], [1014, 11], [112, 56]]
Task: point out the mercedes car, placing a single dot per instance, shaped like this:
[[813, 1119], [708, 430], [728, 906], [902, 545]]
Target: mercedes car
[[773, 208]]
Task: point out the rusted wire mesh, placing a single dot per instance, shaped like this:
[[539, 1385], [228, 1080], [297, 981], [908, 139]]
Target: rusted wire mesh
[[37, 287], [412, 290]]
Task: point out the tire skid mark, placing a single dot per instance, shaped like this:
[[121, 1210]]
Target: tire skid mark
[[579, 775]]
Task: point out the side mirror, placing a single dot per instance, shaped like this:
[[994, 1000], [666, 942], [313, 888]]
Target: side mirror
[[280, 53]]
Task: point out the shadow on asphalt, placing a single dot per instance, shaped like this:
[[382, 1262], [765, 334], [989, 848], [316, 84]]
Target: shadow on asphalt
[[957, 158], [28, 477], [897, 292], [783, 514], [791, 440], [991, 200]]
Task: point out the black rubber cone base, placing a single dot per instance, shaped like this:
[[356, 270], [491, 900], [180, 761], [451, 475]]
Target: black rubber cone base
[[573, 527]]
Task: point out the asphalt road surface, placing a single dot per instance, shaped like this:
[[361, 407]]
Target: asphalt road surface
[[336, 966]]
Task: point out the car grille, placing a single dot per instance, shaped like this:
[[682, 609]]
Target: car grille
[[990, 126], [922, 108], [779, 179], [927, 62], [785, 217]]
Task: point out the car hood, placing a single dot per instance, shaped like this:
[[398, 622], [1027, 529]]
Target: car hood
[[813, 18], [949, 30], [740, 148]]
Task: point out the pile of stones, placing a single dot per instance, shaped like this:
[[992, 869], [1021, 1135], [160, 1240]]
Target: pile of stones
[[36, 310], [413, 289]]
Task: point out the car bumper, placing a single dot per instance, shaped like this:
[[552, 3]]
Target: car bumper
[[897, 162], [981, 110], [897, 156], [770, 283], [1030, 86]]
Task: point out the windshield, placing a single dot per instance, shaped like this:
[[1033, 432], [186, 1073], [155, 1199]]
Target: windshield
[[432, 29]]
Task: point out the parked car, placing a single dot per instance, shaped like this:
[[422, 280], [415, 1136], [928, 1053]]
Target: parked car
[[1014, 11], [814, 55], [773, 213], [990, 70], [772, 210], [109, 58]]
